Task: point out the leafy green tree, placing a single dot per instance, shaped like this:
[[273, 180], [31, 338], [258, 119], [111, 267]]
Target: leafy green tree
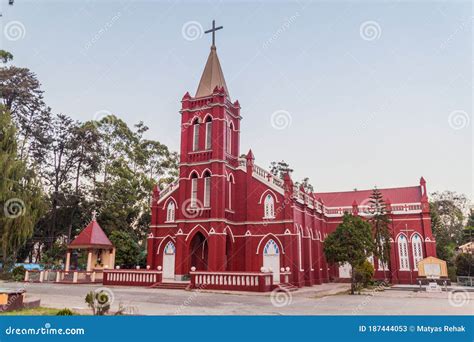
[[127, 252], [447, 210], [21, 199], [380, 222], [364, 274], [5, 56], [351, 243], [468, 231], [464, 264]]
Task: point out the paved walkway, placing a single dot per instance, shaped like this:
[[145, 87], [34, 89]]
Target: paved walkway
[[319, 300]]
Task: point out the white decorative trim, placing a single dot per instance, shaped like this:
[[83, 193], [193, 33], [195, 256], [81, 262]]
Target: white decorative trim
[[270, 234], [195, 227], [273, 194], [163, 238], [231, 233], [166, 202]]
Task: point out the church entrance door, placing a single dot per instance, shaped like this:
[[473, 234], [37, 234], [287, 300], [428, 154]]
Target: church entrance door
[[271, 259], [199, 252], [168, 260]]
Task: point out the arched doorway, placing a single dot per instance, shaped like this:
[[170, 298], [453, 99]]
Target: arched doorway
[[271, 259], [169, 253], [228, 252], [198, 251]]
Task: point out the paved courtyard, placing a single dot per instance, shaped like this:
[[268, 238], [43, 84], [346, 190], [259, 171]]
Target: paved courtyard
[[327, 299]]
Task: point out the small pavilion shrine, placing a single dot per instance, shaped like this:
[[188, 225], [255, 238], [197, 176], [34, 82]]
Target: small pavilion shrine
[[100, 251]]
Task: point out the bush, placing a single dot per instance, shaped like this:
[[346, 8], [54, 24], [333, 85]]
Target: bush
[[363, 274], [18, 273], [464, 265], [99, 302], [65, 312]]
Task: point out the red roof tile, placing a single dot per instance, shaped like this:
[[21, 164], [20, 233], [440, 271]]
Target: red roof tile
[[91, 236], [410, 194]]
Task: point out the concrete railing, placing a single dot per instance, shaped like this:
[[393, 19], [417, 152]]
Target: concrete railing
[[132, 277], [235, 281], [58, 276]]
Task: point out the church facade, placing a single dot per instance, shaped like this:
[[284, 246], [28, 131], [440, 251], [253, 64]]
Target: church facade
[[225, 213]]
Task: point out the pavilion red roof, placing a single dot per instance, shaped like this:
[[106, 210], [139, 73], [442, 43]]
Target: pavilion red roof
[[91, 236], [410, 194]]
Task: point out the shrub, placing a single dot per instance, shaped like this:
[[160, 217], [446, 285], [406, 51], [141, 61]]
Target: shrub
[[363, 274], [65, 312], [464, 264], [18, 273], [99, 302]]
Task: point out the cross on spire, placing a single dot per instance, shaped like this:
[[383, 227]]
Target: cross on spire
[[94, 214], [213, 30]]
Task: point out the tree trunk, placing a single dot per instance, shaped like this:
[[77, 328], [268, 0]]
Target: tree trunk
[[352, 280]]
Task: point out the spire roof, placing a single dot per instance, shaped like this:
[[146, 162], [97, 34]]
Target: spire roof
[[212, 76], [91, 236]]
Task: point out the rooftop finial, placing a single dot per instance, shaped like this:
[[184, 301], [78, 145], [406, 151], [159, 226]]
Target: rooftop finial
[[94, 215], [213, 30]]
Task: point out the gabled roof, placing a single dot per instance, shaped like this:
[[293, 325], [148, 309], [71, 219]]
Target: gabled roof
[[91, 236], [410, 194], [212, 76]]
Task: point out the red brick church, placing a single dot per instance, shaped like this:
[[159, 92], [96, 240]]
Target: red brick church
[[225, 213]]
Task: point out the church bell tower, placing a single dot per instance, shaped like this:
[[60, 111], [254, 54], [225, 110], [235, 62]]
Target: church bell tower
[[210, 128]]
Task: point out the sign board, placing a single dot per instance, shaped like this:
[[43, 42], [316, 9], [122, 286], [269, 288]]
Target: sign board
[[433, 287], [433, 271]]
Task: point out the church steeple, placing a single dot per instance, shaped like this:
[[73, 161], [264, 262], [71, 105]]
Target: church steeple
[[212, 75]]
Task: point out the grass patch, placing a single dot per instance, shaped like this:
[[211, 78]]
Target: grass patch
[[39, 311]]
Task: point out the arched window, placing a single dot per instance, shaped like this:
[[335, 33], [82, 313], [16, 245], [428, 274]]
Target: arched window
[[208, 133], [194, 190], [231, 180], [169, 248], [170, 212], [196, 135], [403, 253], [417, 248], [271, 248], [269, 207], [229, 138], [207, 189]]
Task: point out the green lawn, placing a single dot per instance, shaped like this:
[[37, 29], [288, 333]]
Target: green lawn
[[39, 311]]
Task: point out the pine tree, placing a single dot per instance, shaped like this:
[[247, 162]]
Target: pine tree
[[20, 195], [380, 222]]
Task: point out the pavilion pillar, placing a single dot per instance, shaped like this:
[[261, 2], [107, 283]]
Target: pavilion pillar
[[89, 260], [68, 260]]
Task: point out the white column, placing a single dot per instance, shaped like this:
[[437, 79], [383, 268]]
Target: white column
[[68, 261], [89, 261]]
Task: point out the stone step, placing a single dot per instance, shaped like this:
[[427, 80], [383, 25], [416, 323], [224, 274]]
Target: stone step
[[286, 287], [171, 286]]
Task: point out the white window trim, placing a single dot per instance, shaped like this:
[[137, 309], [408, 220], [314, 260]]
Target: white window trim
[[208, 135], [230, 195], [193, 203], [170, 212], [402, 244], [416, 242], [195, 137], [269, 207], [207, 192]]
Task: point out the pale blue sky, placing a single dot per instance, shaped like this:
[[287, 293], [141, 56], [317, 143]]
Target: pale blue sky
[[363, 112]]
